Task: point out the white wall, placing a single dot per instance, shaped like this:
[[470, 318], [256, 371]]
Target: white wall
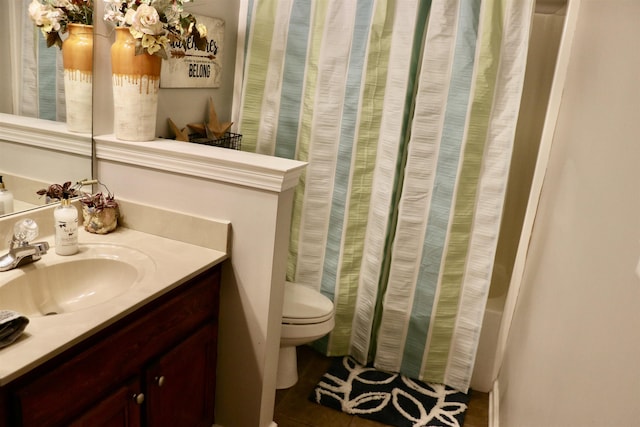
[[255, 193], [573, 351]]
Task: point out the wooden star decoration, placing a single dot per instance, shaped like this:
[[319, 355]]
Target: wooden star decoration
[[181, 134], [198, 128], [213, 128]]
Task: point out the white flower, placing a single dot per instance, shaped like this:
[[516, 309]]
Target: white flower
[[145, 19], [153, 23], [202, 30], [45, 16]]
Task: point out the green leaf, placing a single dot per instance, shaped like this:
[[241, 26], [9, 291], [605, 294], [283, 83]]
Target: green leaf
[[53, 38]]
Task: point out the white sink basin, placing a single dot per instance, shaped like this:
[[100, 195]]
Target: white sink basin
[[58, 284]]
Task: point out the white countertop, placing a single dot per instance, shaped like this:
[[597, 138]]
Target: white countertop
[[45, 337]]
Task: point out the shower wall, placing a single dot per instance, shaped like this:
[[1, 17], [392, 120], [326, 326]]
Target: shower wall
[[543, 48]]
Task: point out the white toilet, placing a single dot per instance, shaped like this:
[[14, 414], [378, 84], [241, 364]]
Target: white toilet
[[306, 316]]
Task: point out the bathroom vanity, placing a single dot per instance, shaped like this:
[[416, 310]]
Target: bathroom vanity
[[156, 366], [146, 355]]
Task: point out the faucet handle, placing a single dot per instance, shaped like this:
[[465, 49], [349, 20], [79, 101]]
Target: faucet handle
[[25, 231], [42, 247]]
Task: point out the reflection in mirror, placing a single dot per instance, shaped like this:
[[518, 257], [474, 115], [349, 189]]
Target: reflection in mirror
[[50, 46], [39, 144], [35, 153]]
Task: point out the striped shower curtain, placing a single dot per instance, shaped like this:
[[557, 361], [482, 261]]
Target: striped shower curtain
[[38, 77], [405, 111]]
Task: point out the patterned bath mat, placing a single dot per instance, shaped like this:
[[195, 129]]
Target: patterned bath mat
[[391, 399]]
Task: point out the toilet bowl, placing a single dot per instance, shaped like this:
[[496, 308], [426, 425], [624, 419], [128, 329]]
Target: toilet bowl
[[306, 316]]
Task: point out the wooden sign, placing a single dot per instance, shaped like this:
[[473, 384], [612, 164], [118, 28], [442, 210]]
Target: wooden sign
[[189, 67]]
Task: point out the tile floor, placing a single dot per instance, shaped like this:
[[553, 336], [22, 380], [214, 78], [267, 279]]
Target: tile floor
[[293, 409]]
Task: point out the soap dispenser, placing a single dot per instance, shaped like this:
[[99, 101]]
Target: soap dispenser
[[66, 227], [6, 199]]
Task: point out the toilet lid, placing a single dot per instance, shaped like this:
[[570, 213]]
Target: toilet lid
[[303, 305]]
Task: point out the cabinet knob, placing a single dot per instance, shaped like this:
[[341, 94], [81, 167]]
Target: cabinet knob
[[160, 380], [138, 398]]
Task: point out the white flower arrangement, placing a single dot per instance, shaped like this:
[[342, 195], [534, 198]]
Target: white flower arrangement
[[54, 16], [154, 24]]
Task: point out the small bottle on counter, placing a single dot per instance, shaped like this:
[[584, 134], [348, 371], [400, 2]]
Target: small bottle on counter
[[66, 228], [6, 199]]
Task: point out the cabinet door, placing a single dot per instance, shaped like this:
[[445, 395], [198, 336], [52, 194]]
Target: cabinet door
[[120, 409], [181, 384]]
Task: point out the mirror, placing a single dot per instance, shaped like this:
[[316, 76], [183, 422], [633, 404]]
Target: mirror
[[37, 147]]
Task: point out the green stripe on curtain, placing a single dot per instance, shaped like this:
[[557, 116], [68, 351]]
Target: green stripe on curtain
[[364, 158], [257, 62], [464, 208], [491, 192]]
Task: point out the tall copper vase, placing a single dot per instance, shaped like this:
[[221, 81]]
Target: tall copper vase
[[136, 83], [77, 59]]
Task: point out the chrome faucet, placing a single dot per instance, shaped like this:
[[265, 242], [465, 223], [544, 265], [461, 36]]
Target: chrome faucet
[[20, 250]]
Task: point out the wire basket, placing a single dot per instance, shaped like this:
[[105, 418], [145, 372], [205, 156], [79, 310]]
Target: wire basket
[[229, 140]]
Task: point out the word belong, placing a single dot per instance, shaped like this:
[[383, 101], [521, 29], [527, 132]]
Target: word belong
[[200, 70]]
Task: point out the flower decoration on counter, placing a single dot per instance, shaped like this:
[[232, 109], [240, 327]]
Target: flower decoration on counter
[[100, 212], [57, 192], [155, 24], [54, 16]]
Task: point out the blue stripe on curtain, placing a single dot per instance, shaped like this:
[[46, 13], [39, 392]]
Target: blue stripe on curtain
[[293, 79], [49, 87], [351, 105], [347, 135], [444, 185]]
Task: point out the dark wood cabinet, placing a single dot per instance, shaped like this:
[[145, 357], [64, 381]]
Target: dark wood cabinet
[[179, 386], [154, 367], [121, 408]]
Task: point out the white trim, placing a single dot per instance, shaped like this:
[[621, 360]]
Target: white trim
[[44, 134], [494, 405], [546, 139], [219, 164]]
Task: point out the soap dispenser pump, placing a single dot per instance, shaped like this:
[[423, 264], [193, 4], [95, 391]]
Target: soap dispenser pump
[[66, 227], [6, 199]]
